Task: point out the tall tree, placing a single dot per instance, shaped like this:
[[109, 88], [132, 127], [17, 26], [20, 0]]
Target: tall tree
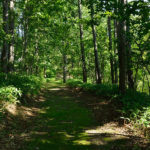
[[121, 47], [110, 50], [115, 52], [64, 65], [5, 49], [11, 31], [97, 66], [128, 51], [82, 42]]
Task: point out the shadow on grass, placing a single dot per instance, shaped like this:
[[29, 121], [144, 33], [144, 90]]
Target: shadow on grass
[[59, 123]]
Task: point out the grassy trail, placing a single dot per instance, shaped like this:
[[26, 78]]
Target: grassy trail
[[58, 120]]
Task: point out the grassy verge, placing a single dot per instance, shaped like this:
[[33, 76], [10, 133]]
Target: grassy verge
[[135, 106]]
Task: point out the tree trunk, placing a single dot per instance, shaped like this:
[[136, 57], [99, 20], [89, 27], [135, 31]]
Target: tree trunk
[[148, 84], [121, 49], [97, 67], [4, 56], [25, 41], [64, 67], [36, 55], [44, 71], [11, 46], [115, 52], [82, 43], [129, 62], [110, 50]]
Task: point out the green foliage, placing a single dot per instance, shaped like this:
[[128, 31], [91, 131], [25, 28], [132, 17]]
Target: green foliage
[[105, 90], [14, 87], [74, 83], [135, 106], [10, 94], [27, 84]]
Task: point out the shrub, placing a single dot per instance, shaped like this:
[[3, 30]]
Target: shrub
[[135, 106], [27, 84], [10, 94], [74, 83], [105, 90]]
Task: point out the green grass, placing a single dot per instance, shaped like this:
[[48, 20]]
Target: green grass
[[64, 122], [134, 105]]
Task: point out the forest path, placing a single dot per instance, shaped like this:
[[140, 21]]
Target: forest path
[[59, 119]]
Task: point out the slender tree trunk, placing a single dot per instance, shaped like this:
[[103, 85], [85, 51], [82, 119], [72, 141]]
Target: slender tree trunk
[[143, 81], [122, 49], [129, 62], [82, 43], [44, 71], [64, 67], [136, 75], [115, 52], [25, 42], [148, 83], [97, 67], [72, 63], [110, 50], [11, 46], [5, 49], [36, 55]]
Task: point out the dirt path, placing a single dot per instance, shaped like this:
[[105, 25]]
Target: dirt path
[[59, 119]]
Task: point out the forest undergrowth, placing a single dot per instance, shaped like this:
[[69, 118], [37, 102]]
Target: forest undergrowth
[[133, 107], [65, 118]]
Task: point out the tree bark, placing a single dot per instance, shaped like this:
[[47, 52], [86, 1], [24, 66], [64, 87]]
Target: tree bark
[[115, 52], [5, 49], [36, 55], [25, 38], [82, 43], [97, 67], [121, 49], [25, 41], [110, 50], [129, 62], [64, 67], [11, 45], [128, 52]]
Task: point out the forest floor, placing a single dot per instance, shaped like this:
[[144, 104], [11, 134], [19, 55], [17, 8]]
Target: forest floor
[[63, 119]]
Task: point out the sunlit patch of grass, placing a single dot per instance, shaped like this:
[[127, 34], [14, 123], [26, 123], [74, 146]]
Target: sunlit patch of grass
[[66, 135], [82, 142], [64, 122]]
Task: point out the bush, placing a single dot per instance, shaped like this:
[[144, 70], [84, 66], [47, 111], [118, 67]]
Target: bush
[[27, 84], [10, 94], [74, 83], [105, 90], [135, 106]]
